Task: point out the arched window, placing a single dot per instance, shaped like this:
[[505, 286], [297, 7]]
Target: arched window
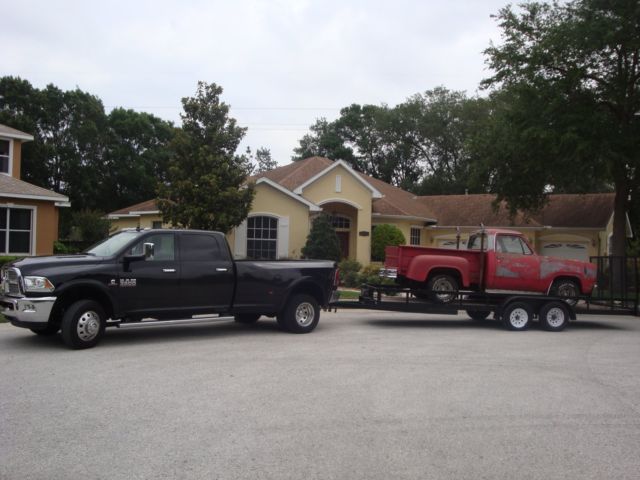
[[262, 238], [339, 221]]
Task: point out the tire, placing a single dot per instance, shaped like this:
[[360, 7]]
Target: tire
[[566, 288], [517, 316], [247, 318], [50, 329], [83, 324], [300, 315], [554, 316], [478, 315], [442, 282]]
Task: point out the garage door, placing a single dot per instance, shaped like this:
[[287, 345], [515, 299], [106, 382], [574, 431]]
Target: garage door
[[573, 250]]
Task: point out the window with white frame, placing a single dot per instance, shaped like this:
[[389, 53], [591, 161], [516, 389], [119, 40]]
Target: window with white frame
[[16, 230], [415, 236], [5, 156], [262, 238], [339, 221]]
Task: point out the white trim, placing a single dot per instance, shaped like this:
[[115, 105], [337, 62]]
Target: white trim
[[381, 216], [62, 198], [121, 215], [240, 240], [10, 161], [17, 136], [282, 242], [312, 206], [374, 192], [338, 183], [145, 212], [34, 223], [340, 200]]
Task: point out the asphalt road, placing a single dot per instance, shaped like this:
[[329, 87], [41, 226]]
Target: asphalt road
[[368, 395]]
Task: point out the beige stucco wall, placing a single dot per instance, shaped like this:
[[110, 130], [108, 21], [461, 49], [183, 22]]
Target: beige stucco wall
[[354, 193], [143, 221], [405, 227]]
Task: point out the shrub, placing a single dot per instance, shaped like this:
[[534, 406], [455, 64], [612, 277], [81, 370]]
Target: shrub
[[322, 241], [349, 276], [7, 259], [89, 226], [384, 236]]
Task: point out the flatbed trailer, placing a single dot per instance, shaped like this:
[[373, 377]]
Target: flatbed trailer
[[515, 311]]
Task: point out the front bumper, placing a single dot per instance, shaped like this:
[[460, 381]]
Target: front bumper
[[27, 311]]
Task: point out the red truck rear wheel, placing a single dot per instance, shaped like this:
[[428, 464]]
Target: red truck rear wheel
[[445, 283]]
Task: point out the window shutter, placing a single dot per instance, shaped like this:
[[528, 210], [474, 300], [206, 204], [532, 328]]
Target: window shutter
[[283, 237], [240, 244]]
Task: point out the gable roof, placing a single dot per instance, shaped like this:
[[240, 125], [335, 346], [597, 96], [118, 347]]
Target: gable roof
[[390, 202], [6, 131], [11, 187], [150, 207], [592, 210]]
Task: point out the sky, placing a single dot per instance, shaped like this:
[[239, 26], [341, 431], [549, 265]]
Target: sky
[[282, 63]]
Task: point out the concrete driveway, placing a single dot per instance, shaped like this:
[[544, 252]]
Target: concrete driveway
[[368, 395]]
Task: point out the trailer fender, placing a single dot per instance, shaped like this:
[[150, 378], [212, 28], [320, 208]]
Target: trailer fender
[[422, 265]]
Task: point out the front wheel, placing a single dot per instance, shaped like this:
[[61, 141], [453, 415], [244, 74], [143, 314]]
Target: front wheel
[[83, 324], [300, 315], [517, 316], [568, 289]]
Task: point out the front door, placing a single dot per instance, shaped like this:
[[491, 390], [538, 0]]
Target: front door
[[343, 239], [516, 267], [148, 287]]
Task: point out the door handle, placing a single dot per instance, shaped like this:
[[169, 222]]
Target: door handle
[[222, 269], [169, 270]]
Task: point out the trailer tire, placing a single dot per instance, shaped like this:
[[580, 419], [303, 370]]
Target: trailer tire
[[478, 315], [442, 282], [517, 316], [566, 288], [247, 318], [300, 315], [554, 316], [83, 324]]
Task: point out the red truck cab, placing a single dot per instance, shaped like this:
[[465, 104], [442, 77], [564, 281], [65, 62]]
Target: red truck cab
[[495, 260]]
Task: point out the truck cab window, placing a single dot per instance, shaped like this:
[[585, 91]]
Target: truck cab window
[[163, 247], [512, 244], [199, 248]]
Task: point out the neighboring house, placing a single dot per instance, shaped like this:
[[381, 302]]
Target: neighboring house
[[28, 214], [289, 197], [141, 215]]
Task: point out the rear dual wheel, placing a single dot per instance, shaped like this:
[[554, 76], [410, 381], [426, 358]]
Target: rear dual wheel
[[300, 315]]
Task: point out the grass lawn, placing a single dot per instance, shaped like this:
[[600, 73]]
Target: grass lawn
[[349, 294]]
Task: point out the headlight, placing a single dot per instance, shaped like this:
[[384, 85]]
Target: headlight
[[38, 284]]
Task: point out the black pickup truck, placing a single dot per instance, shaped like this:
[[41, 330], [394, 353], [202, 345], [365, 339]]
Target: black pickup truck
[[151, 276]]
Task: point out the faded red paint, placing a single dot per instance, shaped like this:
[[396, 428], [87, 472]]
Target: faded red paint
[[504, 267]]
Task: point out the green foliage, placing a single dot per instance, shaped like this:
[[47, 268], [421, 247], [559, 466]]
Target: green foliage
[[350, 273], [569, 89], [322, 242], [264, 160], [7, 259], [205, 186], [89, 226], [383, 236], [102, 162]]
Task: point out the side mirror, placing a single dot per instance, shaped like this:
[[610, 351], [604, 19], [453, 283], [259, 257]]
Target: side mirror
[[148, 250]]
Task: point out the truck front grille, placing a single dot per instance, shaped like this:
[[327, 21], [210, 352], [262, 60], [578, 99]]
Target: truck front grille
[[11, 281]]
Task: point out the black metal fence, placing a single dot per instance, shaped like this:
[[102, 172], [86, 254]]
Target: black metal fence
[[618, 284]]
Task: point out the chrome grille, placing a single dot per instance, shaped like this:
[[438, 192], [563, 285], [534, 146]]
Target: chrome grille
[[11, 280]]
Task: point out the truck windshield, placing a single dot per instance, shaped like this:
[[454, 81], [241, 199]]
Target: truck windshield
[[112, 245], [476, 240]]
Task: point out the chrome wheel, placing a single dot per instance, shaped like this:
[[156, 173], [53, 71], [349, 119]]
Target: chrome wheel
[[305, 314], [88, 326], [444, 284]]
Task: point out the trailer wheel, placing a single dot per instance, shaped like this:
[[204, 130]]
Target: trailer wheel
[[566, 288], [442, 282], [83, 324], [246, 318], [517, 316], [478, 315], [554, 316], [300, 315]]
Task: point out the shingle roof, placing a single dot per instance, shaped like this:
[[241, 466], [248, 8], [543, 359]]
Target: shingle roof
[[14, 188], [395, 201], [591, 210], [6, 131], [150, 206]]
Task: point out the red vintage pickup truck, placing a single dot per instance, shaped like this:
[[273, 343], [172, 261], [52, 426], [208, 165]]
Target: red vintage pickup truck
[[495, 260]]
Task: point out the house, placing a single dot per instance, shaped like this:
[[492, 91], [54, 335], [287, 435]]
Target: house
[[28, 214], [289, 197]]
